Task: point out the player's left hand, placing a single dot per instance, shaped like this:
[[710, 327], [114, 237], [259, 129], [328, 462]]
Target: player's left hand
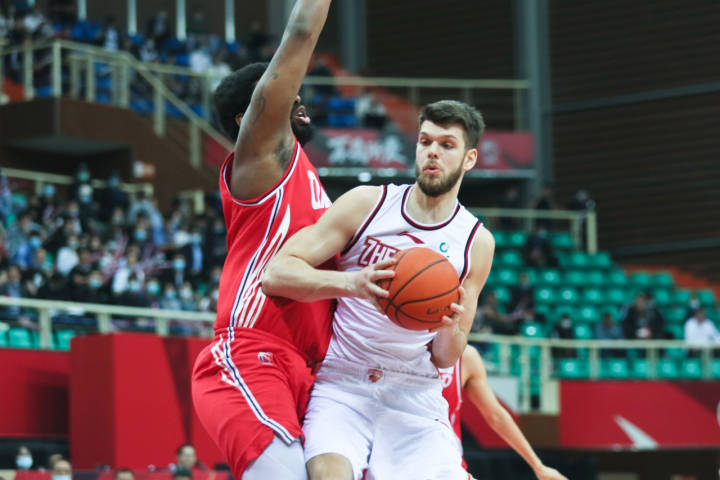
[[547, 473], [449, 322]]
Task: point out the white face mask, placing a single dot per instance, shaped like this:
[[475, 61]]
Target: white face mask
[[24, 462], [61, 477]]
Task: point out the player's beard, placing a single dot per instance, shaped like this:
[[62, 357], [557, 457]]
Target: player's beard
[[436, 186], [304, 133]]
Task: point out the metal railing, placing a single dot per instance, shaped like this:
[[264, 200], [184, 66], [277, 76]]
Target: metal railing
[[48, 308], [541, 350], [82, 59], [42, 178], [576, 220]]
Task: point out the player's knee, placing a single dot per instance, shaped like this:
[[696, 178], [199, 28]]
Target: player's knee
[[329, 466]]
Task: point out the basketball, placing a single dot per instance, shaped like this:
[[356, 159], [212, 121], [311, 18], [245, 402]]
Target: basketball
[[424, 286]]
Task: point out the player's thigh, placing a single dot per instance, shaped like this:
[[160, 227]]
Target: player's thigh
[[332, 427], [329, 466], [410, 447], [278, 460]]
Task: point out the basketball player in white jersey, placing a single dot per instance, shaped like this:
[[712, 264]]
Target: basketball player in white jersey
[[377, 401]]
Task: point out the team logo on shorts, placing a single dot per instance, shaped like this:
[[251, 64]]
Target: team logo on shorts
[[374, 374], [266, 358]]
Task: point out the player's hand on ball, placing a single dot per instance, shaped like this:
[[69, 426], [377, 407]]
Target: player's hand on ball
[[366, 281], [449, 322], [547, 473]]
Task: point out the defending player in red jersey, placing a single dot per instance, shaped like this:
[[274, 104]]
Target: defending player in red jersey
[[468, 376], [251, 385]]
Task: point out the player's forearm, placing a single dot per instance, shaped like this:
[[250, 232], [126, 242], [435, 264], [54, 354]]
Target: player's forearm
[[505, 426], [447, 346], [291, 277]]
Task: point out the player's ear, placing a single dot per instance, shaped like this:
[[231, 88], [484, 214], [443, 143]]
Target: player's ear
[[470, 159], [238, 118]]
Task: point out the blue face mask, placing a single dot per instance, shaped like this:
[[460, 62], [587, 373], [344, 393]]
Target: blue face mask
[[179, 264], [35, 242], [140, 235], [23, 462], [49, 190], [153, 288], [134, 286]]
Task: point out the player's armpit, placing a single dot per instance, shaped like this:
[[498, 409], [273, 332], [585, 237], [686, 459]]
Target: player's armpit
[[265, 142], [291, 272]]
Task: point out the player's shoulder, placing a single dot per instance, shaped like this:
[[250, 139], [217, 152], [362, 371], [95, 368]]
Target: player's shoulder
[[361, 196]]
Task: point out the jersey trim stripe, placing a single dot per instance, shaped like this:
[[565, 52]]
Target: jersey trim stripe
[[224, 361], [239, 297], [259, 200], [424, 226], [468, 249], [369, 218]]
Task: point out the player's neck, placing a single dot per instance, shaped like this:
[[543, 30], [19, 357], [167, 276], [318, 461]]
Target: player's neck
[[426, 209]]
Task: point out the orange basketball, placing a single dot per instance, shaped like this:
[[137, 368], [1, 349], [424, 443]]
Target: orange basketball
[[424, 286]]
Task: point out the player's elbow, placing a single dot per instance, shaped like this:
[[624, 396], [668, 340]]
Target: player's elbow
[[270, 279]]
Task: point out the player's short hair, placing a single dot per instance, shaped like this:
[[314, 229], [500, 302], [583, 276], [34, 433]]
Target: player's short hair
[[232, 96], [452, 112]]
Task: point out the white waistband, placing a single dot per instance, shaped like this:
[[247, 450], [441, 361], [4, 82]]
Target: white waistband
[[373, 374]]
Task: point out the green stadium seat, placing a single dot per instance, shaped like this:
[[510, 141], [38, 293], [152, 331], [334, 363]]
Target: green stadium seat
[[532, 275], [545, 311], [507, 276], [511, 258], [691, 368], [578, 260], [640, 368], [576, 278], [62, 339], [707, 298], [614, 368], [589, 314], [593, 295], [663, 280], [562, 241], [3, 339], [572, 368], [568, 295], [618, 278], [517, 239], [582, 331], [20, 338], [492, 279], [615, 296], [596, 278], [677, 331], [566, 309], [667, 368], [662, 297], [674, 316], [675, 353], [532, 330], [502, 294], [600, 260], [715, 368], [549, 277], [640, 280], [681, 298], [544, 295], [501, 239]]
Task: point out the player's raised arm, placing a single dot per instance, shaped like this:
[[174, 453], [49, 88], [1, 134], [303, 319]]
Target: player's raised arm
[[265, 141], [291, 272], [450, 342], [476, 386]]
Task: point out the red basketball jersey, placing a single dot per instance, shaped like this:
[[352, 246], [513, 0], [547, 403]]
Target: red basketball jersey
[[256, 229], [452, 391]]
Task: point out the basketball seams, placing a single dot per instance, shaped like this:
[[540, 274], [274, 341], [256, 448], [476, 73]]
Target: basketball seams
[[399, 307], [399, 256], [417, 274]]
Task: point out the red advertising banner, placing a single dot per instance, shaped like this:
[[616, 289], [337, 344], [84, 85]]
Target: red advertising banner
[[645, 415]]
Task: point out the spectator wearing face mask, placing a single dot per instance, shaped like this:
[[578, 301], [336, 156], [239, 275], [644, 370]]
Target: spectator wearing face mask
[[98, 291], [194, 255], [170, 300], [134, 295], [23, 459], [176, 275], [67, 256], [61, 470]]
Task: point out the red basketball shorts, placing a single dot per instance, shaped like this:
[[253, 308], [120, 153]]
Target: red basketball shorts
[[247, 390]]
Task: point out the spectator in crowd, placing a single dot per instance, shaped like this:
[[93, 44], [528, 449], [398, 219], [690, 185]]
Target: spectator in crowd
[[112, 197], [256, 40], [124, 474], [522, 295], [564, 329], [61, 470], [510, 200], [134, 295], [52, 459], [98, 288], [582, 203], [538, 251], [643, 320], [700, 331], [79, 275], [608, 329], [369, 111], [218, 69], [158, 28], [545, 201], [489, 315], [12, 287], [182, 474], [23, 459], [693, 305], [111, 36], [186, 457]]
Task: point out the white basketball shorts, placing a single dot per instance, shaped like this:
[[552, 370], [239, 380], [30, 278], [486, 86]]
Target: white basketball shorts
[[393, 424]]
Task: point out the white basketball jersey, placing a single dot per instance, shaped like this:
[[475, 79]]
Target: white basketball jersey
[[362, 334]]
